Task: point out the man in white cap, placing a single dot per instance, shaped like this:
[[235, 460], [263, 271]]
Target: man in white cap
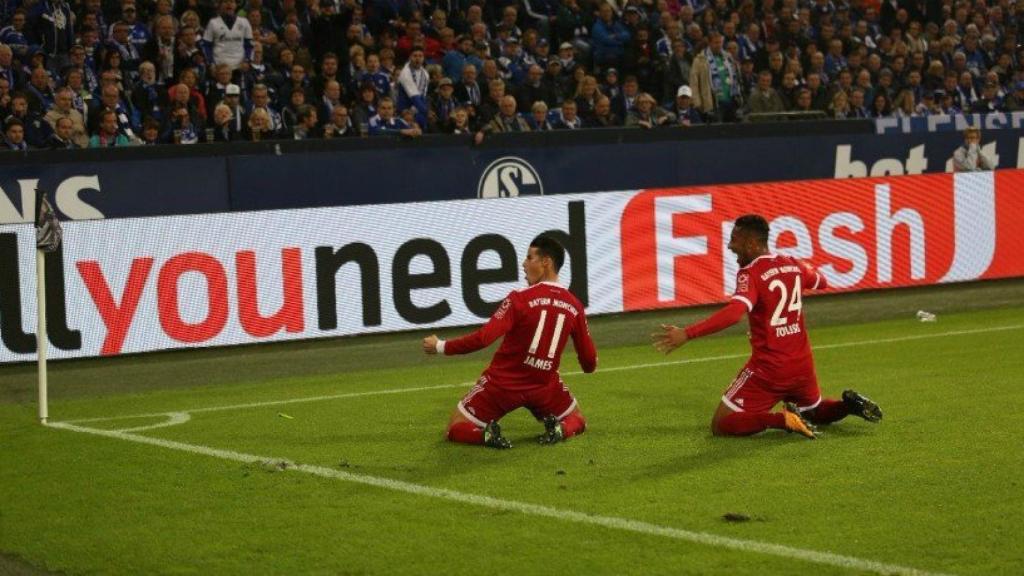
[[567, 58], [686, 114]]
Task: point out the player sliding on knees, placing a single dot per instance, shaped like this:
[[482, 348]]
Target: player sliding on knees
[[769, 288], [536, 322]]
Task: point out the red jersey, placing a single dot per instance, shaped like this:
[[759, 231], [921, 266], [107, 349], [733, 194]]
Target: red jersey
[[536, 321], [771, 287]]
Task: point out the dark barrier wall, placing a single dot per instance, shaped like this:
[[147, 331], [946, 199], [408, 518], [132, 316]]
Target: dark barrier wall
[[213, 178]]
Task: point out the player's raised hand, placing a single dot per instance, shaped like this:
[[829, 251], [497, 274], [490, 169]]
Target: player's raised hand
[[670, 338], [430, 344]]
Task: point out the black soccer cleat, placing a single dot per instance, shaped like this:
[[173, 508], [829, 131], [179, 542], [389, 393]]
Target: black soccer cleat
[[493, 437], [862, 406], [553, 432]]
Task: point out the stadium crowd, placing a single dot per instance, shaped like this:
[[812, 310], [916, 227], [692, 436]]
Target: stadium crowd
[[97, 73]]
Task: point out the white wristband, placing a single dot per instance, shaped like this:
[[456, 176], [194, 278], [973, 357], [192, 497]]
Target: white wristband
[[440, 346]]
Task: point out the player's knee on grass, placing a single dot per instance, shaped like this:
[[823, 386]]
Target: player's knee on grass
[[464, 432], [574, 424]]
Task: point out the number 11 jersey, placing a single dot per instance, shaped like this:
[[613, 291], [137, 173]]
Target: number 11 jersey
[[537, 322]]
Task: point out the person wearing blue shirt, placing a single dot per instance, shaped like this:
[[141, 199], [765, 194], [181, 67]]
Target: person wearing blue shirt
[[455, 60], [385, 123], [609, 37]]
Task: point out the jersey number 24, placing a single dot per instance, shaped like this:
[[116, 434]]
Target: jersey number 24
[[789, 301]]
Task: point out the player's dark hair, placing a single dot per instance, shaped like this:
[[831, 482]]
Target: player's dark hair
[[754, 224], [550, 248]]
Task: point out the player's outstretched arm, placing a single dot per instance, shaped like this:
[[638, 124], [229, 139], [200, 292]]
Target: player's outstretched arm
[[672, 337], [498, 325], [430, 344]]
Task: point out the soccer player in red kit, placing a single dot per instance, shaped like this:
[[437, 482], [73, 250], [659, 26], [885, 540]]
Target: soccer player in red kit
[[536, 322], [769, 288]]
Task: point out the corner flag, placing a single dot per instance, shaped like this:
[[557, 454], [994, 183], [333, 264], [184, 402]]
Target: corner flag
[[48, 230], [48, 237]]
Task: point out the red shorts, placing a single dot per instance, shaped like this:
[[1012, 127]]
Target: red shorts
[[488, 401], [750, 392]]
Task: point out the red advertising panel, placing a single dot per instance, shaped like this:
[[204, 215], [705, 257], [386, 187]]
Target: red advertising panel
[[863, 233]]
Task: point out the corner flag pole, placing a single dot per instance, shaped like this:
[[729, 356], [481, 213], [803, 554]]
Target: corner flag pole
[[41, 338], [48, 237]]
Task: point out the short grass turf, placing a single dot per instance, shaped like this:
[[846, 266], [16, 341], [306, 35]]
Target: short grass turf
[[936, 486]]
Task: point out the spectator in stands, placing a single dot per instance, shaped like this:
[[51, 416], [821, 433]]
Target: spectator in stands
[[35, 131], [14, 135], [538, 118], [259, 126], [507, 119], [880, 106], [109, 133], [53, 24], [8, 69], [412, 86], [1015, 101], [223, 124], [803, 102], [609, 38], [839, 108], [328, 34], [62, 108], [365, 108], [857, 108], [38, 91], [764, 99], [586, 98], [969, 157], [603, 115], [340, 124], [307, 124], [227, 38], [159, 49], [385, 123], [145, 94], [989, 101], [329, 72], [182, 124], [567, 116], [61, 137], [677, 69], [903, 106], [648, 114], [491, 105], [13, 35], [626, 100], [290, 112], [684, 111], [715, 82], [455, 60], [459, 123], [533, 89], [261, 101], [442, 104]]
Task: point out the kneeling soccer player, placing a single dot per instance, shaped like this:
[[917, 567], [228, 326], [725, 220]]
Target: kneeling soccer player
[[769, 289], [536, 321]]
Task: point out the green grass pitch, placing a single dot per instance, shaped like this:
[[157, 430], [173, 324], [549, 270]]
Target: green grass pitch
[[368, 486]]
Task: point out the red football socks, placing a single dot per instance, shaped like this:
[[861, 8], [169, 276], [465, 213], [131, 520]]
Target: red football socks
[[573, 424], [747, 423], [827, 412], [465, 433]]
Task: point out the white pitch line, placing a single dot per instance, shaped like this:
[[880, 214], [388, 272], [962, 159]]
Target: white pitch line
[[576, 373], [625, 524]]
